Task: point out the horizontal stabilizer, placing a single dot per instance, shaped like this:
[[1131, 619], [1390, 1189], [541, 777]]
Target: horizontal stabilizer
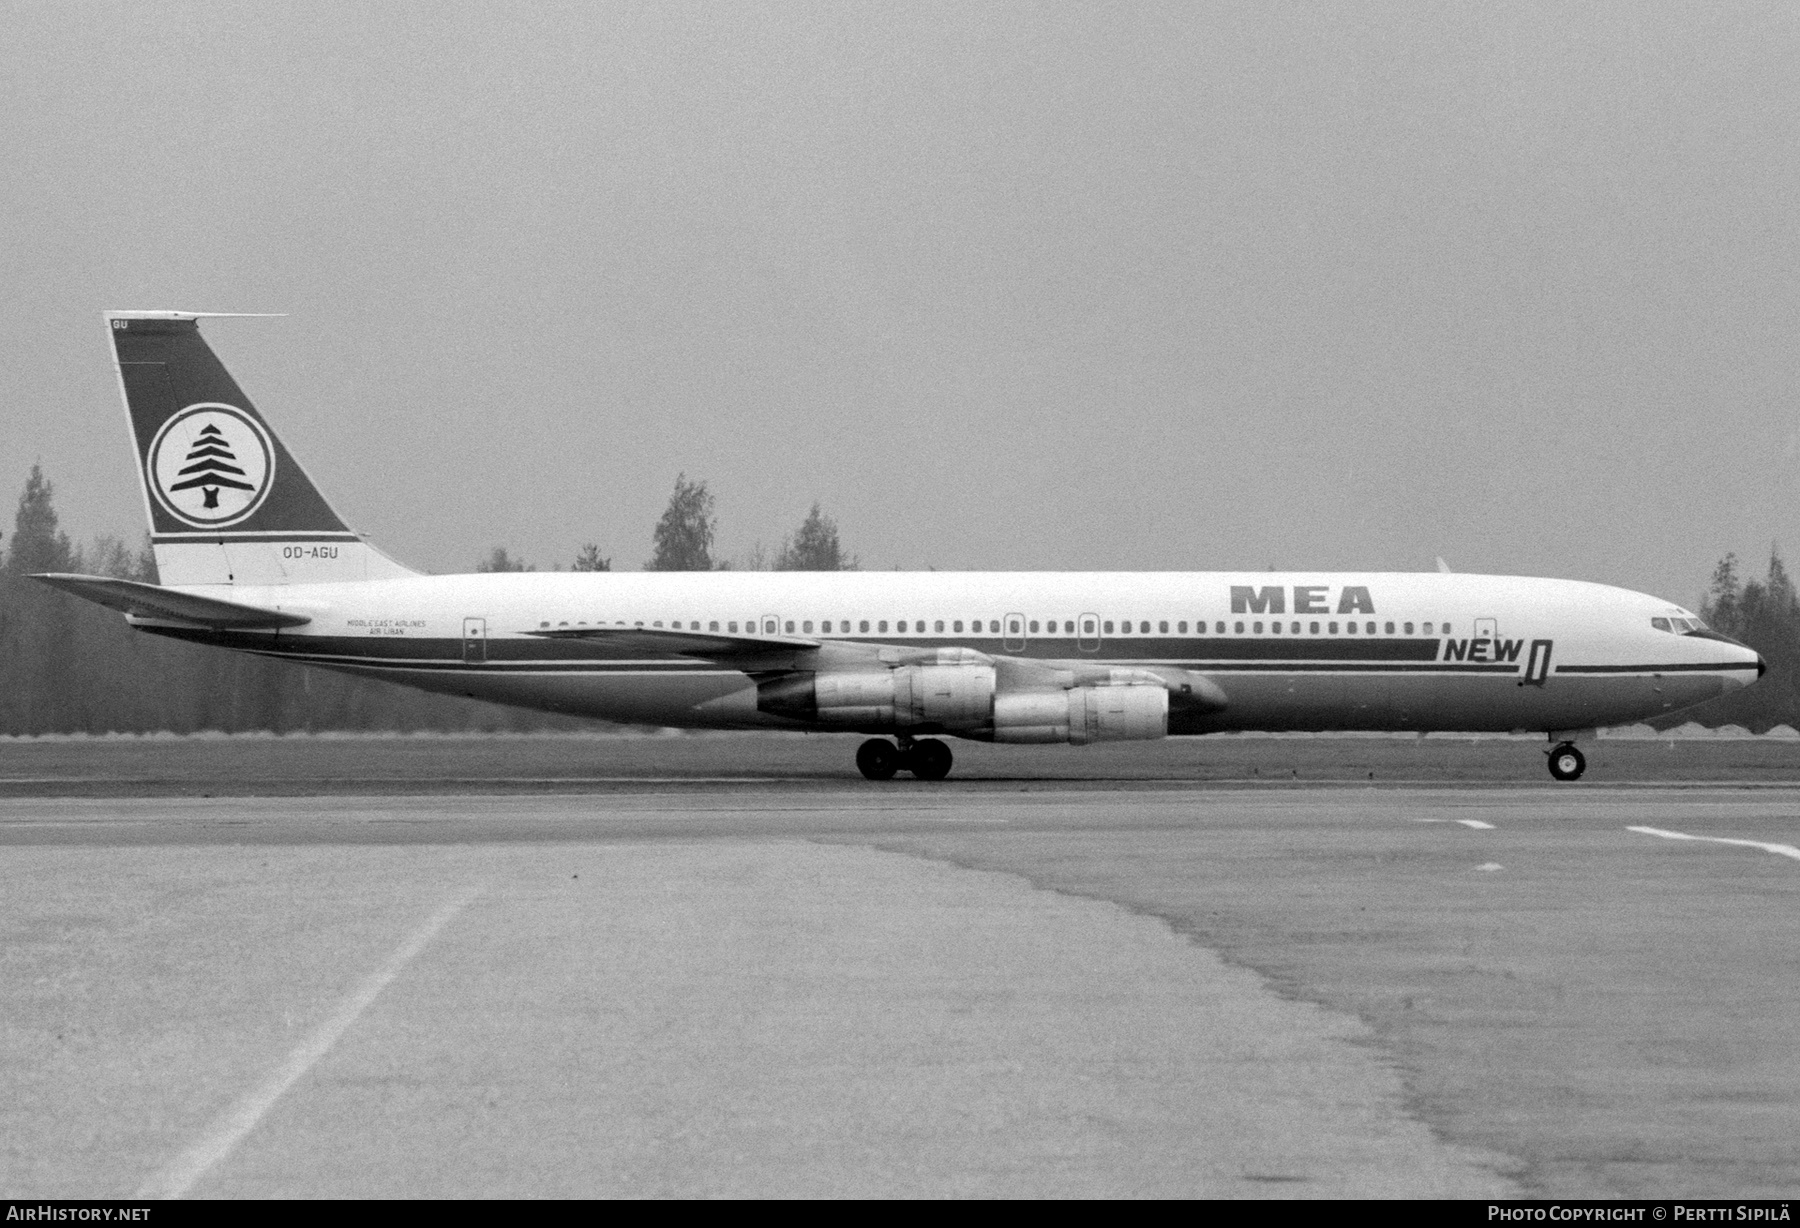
[[684, 643], [151, 601]]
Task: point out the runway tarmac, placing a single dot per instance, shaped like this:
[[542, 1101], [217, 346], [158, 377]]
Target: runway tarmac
[[864, 991]]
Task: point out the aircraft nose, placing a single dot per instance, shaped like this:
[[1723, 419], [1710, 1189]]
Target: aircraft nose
[[1762, 666]]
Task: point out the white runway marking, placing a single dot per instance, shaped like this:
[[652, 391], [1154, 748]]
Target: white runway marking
[[1780, 850], [228, 1131], [1477, 824]]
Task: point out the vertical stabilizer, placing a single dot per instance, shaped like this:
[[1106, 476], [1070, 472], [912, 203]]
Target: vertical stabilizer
[[228, 504]]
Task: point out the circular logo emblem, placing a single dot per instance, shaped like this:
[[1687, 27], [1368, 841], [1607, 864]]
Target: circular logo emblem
[[211, 465]]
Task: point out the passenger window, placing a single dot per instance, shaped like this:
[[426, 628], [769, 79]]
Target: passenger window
[[957, 625], [882, 626], [900, 626], [1446, 628], [1427, 628], [993, 626], [1144, 628], [1256, 627], [825, 627], [713, 626], [807, 626], [1313, 627], [1275, 628], [1331, 628], [1369, 627], [1087, 626], [1390, 629], [1012, 625], [1661, 624], [1106, 627], [790, 626], [1349, 628], [865, 626], [657, 623], [1181, 627], [1238, 628], [1034, 626], [733, 627], [1162, 628], [1408, 628]]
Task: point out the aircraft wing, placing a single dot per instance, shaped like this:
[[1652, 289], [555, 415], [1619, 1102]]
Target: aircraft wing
[[683, 643], [152, 601]]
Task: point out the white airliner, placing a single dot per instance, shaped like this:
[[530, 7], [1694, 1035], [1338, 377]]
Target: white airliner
[[251, 556]]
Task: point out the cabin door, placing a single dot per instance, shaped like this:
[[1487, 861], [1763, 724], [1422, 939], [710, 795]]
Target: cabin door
[[1015, 633], [1087, 639], [474, 641]]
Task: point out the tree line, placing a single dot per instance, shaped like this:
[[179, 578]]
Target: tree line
[[69, 666], [685, 536], [1765, 614]]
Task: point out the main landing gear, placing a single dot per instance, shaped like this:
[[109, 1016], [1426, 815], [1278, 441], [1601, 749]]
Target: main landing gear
[[927, 758], [1567, 763]]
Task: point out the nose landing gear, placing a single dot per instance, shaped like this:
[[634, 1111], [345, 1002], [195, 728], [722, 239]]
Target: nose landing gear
[[1567, 763], [927, 758]]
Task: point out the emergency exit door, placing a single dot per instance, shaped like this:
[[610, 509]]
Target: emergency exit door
[[1014, 638]]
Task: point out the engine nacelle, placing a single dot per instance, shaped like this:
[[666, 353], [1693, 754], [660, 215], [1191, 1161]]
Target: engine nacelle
[[1082, 714], [952, 698]]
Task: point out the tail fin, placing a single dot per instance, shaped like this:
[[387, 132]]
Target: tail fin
[[228, 504]]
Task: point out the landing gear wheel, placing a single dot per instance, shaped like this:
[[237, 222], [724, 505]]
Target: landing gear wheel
[[877, 760], [1567, 763], [930, 760]]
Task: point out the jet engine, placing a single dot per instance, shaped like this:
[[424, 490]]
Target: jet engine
[[963, 699], [1082, 714], [951, 698]]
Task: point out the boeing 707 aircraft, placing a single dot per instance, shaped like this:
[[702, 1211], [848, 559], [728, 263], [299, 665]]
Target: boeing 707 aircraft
[[250, 556]]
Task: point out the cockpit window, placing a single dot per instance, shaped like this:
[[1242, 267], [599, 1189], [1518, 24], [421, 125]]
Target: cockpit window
[[1661, 624], [1679, 625]]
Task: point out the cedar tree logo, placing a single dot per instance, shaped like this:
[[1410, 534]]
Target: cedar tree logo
[[211, 465]]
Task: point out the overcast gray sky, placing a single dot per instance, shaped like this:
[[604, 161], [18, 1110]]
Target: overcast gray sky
[[1002, 286]]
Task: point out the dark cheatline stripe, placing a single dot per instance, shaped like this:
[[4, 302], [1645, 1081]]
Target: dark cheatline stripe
[[163, 539], [1339, 667], [1219, 656], [558, 656], [1688, 668]]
